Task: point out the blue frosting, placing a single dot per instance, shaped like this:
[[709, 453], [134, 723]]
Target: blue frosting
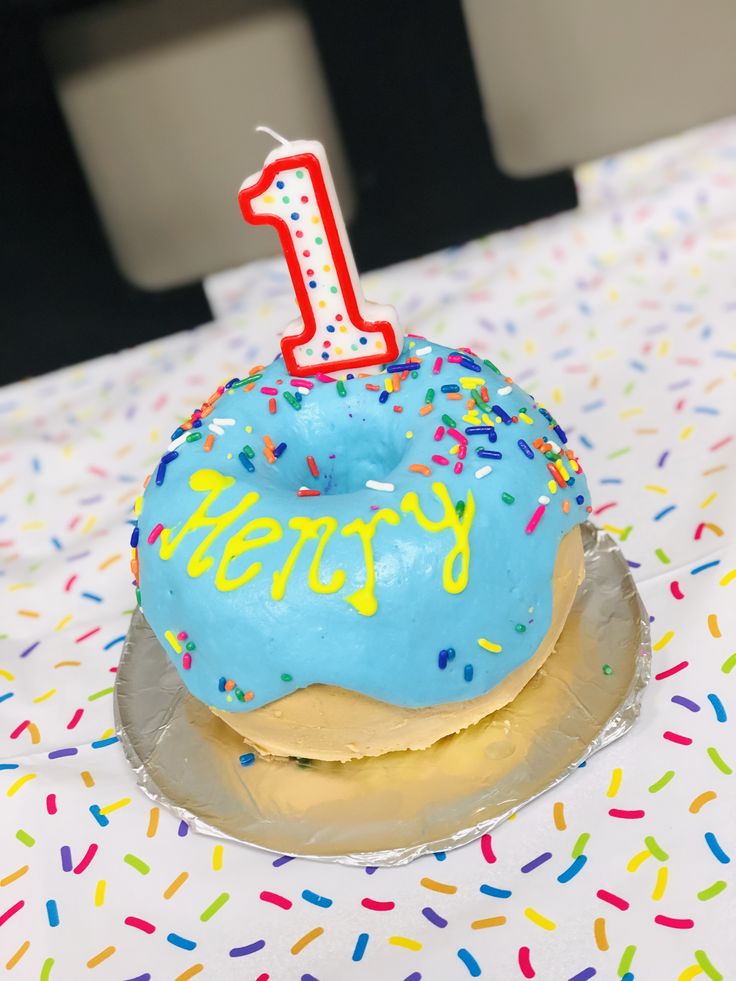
[[421, 645]]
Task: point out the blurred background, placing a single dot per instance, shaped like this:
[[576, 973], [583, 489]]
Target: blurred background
[[127, 127]]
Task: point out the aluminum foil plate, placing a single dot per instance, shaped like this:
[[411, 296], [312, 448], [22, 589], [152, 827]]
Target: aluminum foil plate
[[390, 809]]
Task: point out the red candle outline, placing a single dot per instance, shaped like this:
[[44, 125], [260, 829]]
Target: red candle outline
[[245, 198]]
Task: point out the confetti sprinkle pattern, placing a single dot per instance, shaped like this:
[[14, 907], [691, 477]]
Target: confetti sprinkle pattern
[[621, 316]]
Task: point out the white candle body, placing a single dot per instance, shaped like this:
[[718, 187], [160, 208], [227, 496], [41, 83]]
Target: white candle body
[[321, 261]]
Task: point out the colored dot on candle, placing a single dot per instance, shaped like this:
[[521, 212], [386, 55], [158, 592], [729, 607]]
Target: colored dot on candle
[[333, 289], [286, 199], [363, 340], [304, 198], [310, 351], [300, 173], [310, 272], [338, 350], [322, 303], [326, 268], [343, 329], [318, 240], [295, 216], [315, 220], [330, 329], [182, 635], [280, 185], [312, 284], [338, 317], [306, 253], [300, 234]]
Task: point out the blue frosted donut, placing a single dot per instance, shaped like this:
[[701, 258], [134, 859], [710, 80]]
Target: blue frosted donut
[[392, 535]]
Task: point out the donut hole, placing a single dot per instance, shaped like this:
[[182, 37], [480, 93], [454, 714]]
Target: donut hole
[[348, 448]]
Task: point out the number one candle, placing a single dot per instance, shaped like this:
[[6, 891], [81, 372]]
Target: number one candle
[[338, 329]]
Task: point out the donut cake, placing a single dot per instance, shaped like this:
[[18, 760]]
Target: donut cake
[[346, 568]]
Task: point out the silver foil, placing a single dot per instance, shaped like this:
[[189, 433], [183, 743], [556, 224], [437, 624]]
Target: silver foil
[[389, 810]]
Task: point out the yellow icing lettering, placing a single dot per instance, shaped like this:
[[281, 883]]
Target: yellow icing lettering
[[260, 532], [451, 521], [337, 580], [309, 529], [239, 544], [364, 599], [213, 484]]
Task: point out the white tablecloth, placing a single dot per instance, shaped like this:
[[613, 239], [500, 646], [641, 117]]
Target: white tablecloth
[[621, 317]]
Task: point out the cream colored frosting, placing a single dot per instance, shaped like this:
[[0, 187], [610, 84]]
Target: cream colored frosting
[[323, 722]]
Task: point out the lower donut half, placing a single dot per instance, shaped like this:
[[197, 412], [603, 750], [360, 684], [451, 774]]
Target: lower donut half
[[324, 722]]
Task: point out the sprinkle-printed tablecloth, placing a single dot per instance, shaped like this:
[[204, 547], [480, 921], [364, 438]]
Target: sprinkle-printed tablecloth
[[621, 317]]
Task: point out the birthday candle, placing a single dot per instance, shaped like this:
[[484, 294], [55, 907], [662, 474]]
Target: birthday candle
[[338, 330]]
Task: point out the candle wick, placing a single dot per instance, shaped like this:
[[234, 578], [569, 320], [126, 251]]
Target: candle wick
[[273, 133]]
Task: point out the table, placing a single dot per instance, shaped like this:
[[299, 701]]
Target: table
[[619, 316]]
